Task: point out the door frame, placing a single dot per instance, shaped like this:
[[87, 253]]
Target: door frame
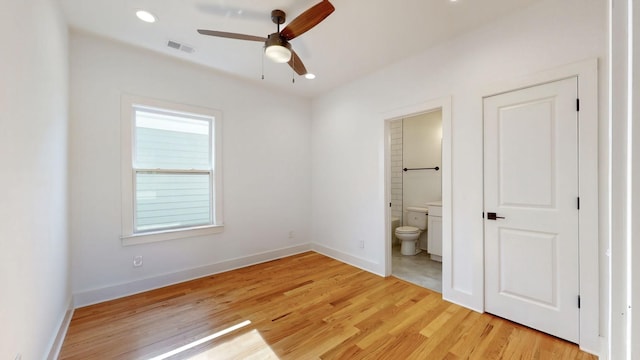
[[443, 104], [589, 274]]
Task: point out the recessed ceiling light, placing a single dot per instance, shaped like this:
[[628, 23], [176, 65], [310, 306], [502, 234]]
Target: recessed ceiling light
[[309, 76], [145, 16]]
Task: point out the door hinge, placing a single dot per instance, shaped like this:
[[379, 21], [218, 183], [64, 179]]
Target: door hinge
[[483, 214], [389, 204], [578, 202], [577, 104], [578, 301]]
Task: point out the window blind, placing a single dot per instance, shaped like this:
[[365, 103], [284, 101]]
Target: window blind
[[172, 169]]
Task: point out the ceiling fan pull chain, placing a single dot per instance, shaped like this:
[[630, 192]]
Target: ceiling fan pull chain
[[262, 63], [293, 73]]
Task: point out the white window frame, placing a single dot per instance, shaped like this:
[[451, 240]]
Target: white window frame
[[129, 103]]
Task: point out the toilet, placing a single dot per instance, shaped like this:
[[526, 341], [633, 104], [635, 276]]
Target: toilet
[[409, 235]]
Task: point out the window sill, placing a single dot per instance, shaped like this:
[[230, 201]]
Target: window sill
[[149, 237]]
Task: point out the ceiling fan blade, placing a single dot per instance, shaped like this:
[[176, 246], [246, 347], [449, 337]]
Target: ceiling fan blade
[[307, 20], [296, 64], [229, 35]]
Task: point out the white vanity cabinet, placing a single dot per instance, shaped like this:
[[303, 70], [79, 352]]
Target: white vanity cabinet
[[434, 233]]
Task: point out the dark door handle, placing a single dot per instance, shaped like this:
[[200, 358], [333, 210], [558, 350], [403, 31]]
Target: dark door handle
[[493, 216]]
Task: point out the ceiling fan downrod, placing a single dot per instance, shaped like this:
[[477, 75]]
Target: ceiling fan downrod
[[278, 17]]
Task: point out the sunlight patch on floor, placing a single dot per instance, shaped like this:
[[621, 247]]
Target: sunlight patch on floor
[[249, 345], [202, 341]]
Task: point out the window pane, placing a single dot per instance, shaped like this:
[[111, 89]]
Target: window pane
[[172, 200], [167, 141]]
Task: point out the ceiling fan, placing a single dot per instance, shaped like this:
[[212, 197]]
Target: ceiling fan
[[276, 45]]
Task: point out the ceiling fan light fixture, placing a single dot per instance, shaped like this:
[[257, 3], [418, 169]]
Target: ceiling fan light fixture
[[310, 76], [277, 50]]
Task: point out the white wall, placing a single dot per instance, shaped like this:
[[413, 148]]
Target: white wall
[[635, 187], [34, 266], [625, 172], [348, 130], [266, 170]]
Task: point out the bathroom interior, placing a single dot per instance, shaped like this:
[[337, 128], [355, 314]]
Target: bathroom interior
[[416, 198]]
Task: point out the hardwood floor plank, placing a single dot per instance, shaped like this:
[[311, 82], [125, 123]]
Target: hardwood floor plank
[[498, 338], [474, 330], [306, 306]]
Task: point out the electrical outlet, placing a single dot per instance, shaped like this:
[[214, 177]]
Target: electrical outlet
[[361, 244], [137, 261], [292, 234]]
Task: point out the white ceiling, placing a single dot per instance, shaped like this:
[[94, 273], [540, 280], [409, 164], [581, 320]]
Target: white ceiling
[[360, 37]]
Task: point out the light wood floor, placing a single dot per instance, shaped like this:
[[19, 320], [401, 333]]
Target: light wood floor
[[306, 306]]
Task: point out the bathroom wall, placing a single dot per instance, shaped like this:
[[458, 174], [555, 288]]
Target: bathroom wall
[[422, 148], [396, 169]]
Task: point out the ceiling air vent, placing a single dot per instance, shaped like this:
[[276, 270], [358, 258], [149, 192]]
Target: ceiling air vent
[[173, 44], [187, 48], [182, 47]]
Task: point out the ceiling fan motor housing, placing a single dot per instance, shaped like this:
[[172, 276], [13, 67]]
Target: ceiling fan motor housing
[[276, 39], [278, 16]]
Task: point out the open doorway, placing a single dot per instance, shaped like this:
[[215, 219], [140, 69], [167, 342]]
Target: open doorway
[[416, 198], [418, 193]]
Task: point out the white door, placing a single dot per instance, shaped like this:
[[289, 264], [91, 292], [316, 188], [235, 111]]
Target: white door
[[531, 207]]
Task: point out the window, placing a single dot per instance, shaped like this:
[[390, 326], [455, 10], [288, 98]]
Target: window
[[171, 183]]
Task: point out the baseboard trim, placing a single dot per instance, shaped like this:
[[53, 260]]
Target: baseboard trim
[[95, 296], [54, 353], [361, 263], [603, 352]]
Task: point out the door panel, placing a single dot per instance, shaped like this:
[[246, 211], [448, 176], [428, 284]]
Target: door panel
[[522, 253], [531, 181], [526, 132]]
